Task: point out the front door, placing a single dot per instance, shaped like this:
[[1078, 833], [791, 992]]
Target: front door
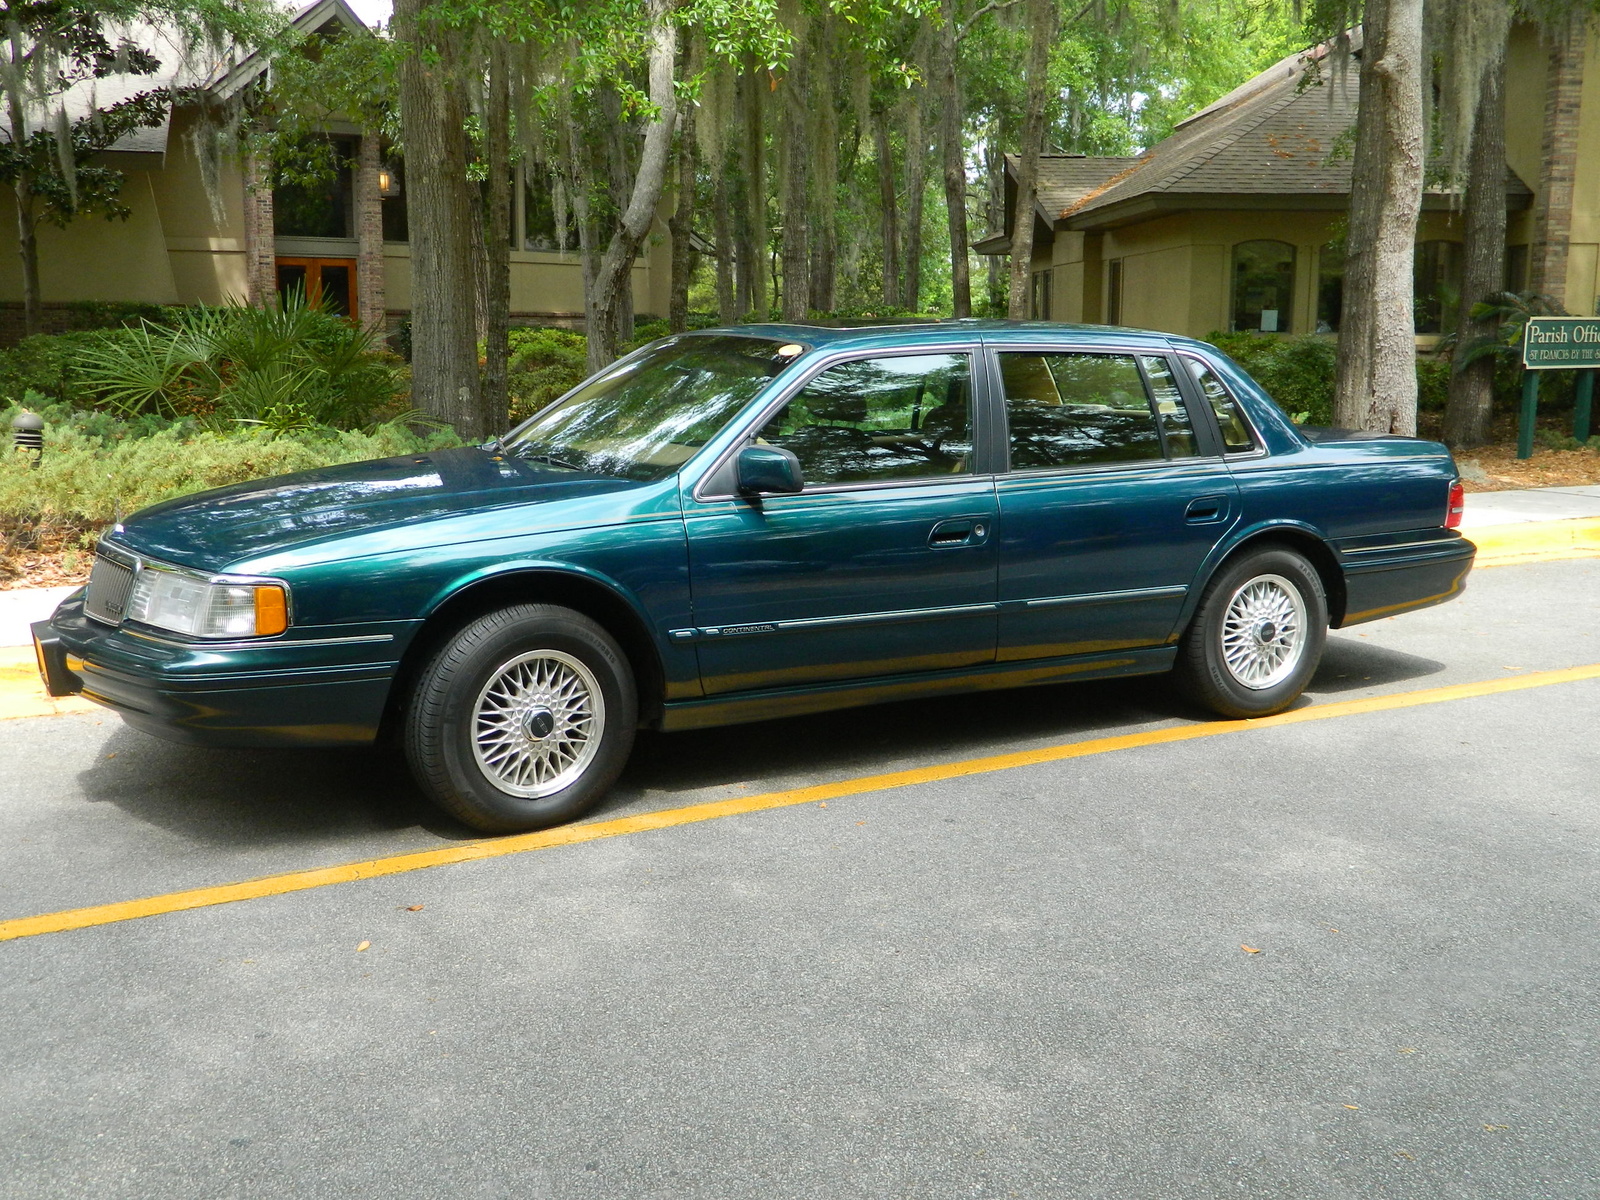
[[884, 565], [1114, 499]]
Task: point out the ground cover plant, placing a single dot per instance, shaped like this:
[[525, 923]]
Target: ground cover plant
[[98, 466]]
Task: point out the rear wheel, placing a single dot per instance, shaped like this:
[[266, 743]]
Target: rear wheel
[[523, 720], [1257, 636]]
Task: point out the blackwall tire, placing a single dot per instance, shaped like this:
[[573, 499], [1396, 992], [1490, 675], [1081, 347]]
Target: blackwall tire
[[523, 720], [1256, 637]]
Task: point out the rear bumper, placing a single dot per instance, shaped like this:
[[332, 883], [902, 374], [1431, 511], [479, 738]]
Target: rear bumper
[[1386, 580], [308, 691]]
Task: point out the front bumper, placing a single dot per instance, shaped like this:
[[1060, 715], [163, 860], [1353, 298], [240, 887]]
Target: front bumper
[[319, 687]]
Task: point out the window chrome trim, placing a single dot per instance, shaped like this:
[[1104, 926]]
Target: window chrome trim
[[140, 563], [826, 361]]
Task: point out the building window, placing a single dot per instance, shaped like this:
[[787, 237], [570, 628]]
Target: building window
[[1516, 270], [1039, 302], [548, 222], [324, 208], [1330, 286], [1263, 287], [396, 227], [1114, 292], [1436, 285]]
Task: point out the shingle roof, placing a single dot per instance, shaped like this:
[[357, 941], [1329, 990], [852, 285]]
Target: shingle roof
[[1272, 136]]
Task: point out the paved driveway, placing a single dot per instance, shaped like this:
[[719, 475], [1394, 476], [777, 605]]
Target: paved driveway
[[1036, 980]]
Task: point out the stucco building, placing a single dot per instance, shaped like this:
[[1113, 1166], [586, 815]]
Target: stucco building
[[1235, 221], [185, 243]]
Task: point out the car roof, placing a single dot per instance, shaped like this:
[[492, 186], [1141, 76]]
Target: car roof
[[910, 333]]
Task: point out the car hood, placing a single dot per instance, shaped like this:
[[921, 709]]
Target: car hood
[[213, 530]]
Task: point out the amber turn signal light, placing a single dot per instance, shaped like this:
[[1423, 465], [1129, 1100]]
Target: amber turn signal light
[[272, 611]]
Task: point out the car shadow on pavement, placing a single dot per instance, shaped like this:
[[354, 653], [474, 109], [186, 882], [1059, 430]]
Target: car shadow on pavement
[[800, 750], [1349, 665], [256, 797]]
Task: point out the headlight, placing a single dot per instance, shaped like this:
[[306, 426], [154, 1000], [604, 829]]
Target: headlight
[[201, 608]]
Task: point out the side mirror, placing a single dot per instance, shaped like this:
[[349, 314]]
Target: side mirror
[[768, 469]]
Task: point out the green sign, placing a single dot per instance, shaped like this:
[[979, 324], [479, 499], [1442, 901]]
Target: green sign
[[1561, 343]]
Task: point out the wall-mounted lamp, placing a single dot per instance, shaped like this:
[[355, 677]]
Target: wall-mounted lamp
[[388, 181], [27, 435]]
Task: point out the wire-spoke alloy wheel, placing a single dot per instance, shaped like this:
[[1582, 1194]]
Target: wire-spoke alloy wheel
[[538, 722], [1257, 634], [1263, 631], [522, 719]]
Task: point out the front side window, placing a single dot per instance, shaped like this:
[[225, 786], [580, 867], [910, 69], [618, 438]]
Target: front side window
[[1069, 410], [643, 418], [875, 419], [1236, 435], [1263, 286]]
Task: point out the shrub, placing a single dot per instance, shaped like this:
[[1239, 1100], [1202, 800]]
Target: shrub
[[45, 365], [1296, 372], [544, 364], [242, 363], [96, 465]]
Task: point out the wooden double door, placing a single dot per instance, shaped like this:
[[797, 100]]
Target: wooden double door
[[332, 281]]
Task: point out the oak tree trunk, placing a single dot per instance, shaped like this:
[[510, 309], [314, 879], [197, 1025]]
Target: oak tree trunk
[[954, 157], [1041, 32], [614, 274], [888, 210], [681, 224], [753, 161], [794, 162], [1376, 387], [916, 154], [440, 200], [497, 242], [824, 170], [1466, 414]]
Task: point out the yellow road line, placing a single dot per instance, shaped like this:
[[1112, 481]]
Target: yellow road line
[[571, 835], [1536, 541]]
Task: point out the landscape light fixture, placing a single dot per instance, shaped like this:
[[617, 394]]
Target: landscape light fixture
[[27, 434]]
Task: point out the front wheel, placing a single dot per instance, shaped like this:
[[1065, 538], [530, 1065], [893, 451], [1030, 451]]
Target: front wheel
[[523, 720], [1257, 636]]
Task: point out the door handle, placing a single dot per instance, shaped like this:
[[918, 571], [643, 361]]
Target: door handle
[[1206, 509], [961, 531]]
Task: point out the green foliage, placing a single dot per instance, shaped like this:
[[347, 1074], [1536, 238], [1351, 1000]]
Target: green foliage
[[1433, 384], [97, 465], [544, 364], [242, 363], [1296, 372]]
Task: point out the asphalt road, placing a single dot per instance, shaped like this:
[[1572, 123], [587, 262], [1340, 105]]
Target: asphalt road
[[1029, 982]]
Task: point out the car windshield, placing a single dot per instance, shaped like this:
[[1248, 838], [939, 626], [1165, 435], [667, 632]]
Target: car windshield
[[646, 416]]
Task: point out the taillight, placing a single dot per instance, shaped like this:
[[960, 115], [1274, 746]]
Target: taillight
[[1456, 506]]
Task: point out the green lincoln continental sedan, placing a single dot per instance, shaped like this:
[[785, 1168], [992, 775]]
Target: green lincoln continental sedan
[[743, 524]]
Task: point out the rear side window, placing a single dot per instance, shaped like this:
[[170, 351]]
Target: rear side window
[[1068, 410], [1236, 435]]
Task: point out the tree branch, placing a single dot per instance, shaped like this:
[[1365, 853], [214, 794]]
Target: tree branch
[[993, 6]]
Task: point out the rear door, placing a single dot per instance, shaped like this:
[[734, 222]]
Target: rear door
[[1114, 497], [885, 565]]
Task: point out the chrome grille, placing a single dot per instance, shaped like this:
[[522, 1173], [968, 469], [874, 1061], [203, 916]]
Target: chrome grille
[[109, 585]]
